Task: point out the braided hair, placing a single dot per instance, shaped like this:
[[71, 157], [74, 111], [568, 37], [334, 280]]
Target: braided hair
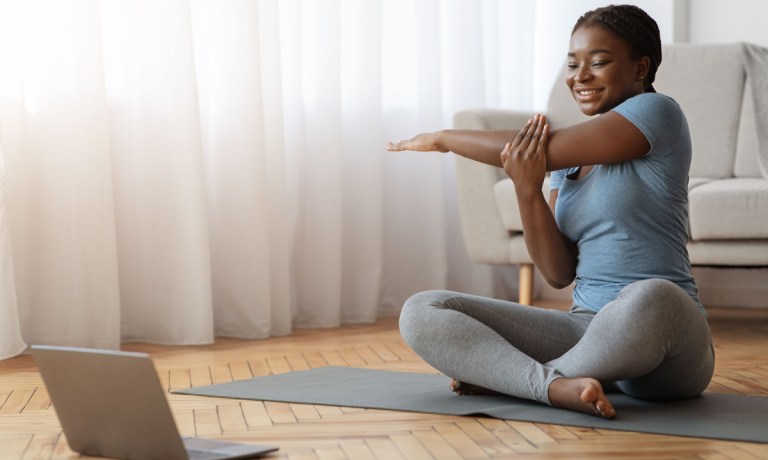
[[633, 25]]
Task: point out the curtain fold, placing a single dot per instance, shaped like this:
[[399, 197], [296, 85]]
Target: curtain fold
[[186, 169]]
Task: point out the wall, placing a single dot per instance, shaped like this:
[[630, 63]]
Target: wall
[[716, 21]]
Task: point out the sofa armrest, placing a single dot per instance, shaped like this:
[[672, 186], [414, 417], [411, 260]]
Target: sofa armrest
[[485, 238]]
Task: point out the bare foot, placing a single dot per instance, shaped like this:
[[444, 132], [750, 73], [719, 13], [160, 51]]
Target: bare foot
[[582, 395], [461, 388]]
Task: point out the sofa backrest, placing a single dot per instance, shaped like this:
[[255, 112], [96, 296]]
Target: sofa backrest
[[708, 81]]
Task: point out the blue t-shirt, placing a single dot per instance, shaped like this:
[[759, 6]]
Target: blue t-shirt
[[629, 220]]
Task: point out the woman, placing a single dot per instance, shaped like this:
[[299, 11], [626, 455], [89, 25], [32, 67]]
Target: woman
[[615, 223]]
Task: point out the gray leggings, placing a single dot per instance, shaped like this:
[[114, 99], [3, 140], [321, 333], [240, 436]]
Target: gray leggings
[[652, 342]]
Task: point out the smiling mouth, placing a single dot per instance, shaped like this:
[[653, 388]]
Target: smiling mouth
[[587, 95]]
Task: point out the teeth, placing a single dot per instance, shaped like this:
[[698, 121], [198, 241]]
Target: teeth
[[587, 93]]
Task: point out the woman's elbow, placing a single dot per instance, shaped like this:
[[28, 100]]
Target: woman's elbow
[[560, 281]]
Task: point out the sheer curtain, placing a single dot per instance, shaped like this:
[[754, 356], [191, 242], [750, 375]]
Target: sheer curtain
[[178, 170]]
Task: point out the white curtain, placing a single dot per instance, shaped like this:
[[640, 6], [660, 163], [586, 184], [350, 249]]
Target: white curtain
[[177, 170]]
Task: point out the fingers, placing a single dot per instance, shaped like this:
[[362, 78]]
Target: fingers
[[538, 127], [505, 152], [544, 138], [530, 137], [520, 139], [395, 146]]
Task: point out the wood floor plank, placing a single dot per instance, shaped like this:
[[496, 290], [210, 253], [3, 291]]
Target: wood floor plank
[[532, 432], [279, 365], [185, 421], [240, 370], [40, 400], [484, 438], [368, 355], [220, 373], [256, 415], [231, 418], [460, 441], [384, 448], [297, 362], [179, 379], [16, 401], [351, 357], [280, 412], [329, 411], [508, 435], [15, 445], [40, 446], [207, 422], [384, 353], [331, 453], [304, 412], [259, 367], [200, 376], [436, 445], [409, 446], [315, 359], [358, 451], [758, 450], [333, 358]]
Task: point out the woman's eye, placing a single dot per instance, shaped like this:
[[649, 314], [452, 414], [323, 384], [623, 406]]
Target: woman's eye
[[599, 63], [573, 66]]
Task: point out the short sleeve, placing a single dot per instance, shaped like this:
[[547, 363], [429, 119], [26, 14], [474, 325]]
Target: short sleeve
[[654, 115], [556, 179]]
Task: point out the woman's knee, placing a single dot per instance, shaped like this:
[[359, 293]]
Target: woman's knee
[[683, 377], [416, 315], [659, 297], [654, 290]]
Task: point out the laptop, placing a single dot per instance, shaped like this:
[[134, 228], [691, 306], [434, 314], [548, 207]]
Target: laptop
[[111, 404]]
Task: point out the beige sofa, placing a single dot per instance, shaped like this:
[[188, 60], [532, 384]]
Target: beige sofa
[[728, 212]]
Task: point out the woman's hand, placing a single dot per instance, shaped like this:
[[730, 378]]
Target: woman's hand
[[427, 142], [525, 158]]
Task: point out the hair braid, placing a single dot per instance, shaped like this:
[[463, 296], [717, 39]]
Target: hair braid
[[633, 25]]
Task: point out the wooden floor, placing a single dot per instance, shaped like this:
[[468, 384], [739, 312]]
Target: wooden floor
[[29, 428]]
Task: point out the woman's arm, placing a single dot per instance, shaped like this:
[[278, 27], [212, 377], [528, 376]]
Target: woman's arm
[[525, 160], [553, 254], [609, 138], [479, 145]]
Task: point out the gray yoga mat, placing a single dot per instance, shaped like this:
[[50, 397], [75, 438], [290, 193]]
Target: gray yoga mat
[[716, 416]]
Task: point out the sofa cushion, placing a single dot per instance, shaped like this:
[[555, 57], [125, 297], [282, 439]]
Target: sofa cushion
[[729, 209], [694, 182], [713, 116], [746, 163], [737, 253]]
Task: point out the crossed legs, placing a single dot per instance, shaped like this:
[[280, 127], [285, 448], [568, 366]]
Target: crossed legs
[[652, 341]]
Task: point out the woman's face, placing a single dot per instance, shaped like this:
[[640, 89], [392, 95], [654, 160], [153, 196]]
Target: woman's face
[[601, 71]]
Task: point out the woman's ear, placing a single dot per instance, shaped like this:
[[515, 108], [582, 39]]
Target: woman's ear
[[643, 67]]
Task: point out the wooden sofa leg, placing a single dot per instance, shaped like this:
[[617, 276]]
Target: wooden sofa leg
[[526, 284]]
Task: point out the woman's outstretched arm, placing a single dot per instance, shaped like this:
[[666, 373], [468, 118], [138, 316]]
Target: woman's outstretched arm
[[479, 145], [608, 138]]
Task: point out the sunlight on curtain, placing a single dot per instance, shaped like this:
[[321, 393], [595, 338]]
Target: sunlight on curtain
[[186, 169], [11, 342]]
